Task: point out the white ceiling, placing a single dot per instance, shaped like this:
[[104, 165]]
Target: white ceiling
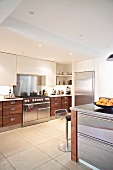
[[81, 27]]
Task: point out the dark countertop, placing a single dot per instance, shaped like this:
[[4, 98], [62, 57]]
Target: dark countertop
[[91, 108]]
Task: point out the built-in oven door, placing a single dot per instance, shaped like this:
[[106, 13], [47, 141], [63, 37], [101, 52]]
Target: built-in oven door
[[44, 110], [29, 112]]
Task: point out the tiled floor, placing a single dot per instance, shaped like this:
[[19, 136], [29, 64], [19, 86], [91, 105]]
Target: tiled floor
[[36, 148]]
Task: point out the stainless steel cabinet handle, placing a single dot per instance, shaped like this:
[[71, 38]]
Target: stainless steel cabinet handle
[[95, 116], [13, 102], [44, 108], [56, 103], [65, 102], [12, 119], [13, 109]]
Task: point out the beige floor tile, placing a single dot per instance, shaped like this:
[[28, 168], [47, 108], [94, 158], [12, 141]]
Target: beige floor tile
[[1, 156], [65, 159], [29, 159], [50, 148], [51, 165], [53, 132], [12, 147], [5, 165], [37, 138], [63, 137], [22, 132], [7, 136]]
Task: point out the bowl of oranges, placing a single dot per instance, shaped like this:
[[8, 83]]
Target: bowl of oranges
[[105, 103]]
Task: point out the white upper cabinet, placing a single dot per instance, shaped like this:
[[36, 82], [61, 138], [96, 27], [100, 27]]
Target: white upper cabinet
[[7, 69], [85, 65], [28, 65]]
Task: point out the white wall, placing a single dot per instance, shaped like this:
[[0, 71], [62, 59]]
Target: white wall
[[105, 77]]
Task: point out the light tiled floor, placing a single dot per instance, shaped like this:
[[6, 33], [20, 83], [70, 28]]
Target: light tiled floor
[[36, 148]]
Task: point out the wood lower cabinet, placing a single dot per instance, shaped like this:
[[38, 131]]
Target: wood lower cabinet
[[66, 102], [60, 103], [12, 119], [12, 112], [55, 104], [0, 114]]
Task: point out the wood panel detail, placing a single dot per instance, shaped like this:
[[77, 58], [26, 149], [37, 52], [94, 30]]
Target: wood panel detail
[[74, 136]]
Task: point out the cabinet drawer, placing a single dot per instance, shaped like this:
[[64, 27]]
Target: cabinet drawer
[[12, 102], [56, 104], [65, 99], [64, 102], [14, 109], [0, 121], [12, 120]]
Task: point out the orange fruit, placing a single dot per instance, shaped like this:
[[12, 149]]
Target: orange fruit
[[105, 101], [111, 100], [101, 99], [98, 102], [109, 104]]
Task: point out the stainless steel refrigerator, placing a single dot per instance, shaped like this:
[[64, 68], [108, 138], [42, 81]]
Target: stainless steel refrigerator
[[84, 87]]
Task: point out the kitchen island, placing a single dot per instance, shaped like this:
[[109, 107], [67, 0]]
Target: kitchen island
[[92, 136]]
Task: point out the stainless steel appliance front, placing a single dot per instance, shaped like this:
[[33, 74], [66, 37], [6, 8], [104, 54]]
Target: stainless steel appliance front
[[95, 135], [36, 110], [84, 87]]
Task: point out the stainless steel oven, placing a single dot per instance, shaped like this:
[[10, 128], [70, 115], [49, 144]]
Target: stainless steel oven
[[35, 110], [43, 110], [95, 139]]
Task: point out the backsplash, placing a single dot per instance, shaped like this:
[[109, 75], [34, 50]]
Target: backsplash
[[4, 90]]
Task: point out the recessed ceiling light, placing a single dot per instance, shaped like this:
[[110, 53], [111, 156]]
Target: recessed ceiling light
[[39, 45], [70, 53], [31, 12]]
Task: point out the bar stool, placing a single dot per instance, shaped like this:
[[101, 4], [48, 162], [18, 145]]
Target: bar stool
[[65, 147]]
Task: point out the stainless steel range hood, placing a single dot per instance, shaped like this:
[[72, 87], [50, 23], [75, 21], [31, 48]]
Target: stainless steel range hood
[[110, 58]]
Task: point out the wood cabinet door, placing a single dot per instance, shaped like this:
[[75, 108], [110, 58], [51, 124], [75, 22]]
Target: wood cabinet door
[[0, 109], [12, 119], [0, 121], [14, 109], [12, 102]]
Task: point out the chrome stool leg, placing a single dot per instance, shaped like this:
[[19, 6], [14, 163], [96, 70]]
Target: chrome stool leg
[[65, 147]]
